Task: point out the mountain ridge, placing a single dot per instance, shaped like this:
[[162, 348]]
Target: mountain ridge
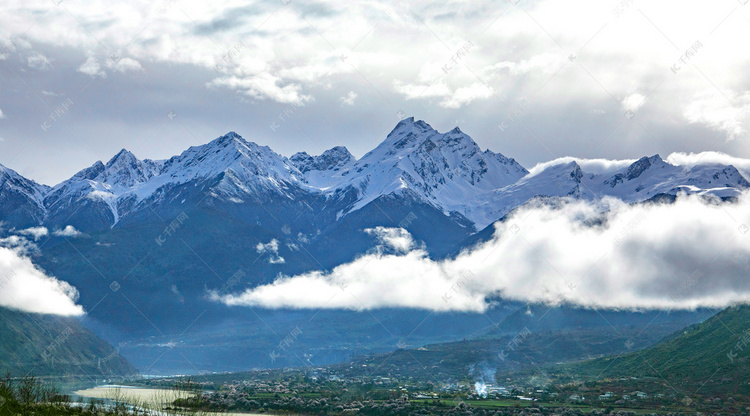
[[43, 345], [180, 227], [446, 170]]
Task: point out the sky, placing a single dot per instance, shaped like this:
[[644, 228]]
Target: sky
[[534, 80]]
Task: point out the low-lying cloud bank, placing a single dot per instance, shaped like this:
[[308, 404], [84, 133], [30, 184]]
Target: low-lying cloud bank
[[693, 253], [25, 287], [686, 160]]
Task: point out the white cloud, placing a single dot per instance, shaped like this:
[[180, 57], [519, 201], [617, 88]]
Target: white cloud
[[2, 115], [6, 48], [596, 166], [546, 62], [264, 86], [39, 62], [542, 50], [272, 248], [416, 91], [35, 232], [395, 238], [466, 95], [451, 97], [633, 102], [20, 244], [714, 110], [349, 98], [68, 231], [125, 64], [92, 67], [689, 160], [25, 287], [683, 255]]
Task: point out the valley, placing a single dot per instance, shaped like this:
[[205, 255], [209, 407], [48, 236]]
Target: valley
[[374, 208], [154, 247], [151, 237]]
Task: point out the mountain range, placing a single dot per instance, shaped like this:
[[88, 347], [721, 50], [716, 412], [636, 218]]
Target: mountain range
[[144, 241], [447, 171]]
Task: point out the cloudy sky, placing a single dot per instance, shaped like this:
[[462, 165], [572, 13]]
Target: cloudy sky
[[534, 80]]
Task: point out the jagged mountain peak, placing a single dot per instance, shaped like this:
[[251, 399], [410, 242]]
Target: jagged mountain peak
[[407, 133], [125, 170], [230, 142], [123, 156], [228, 138], [89, 173], [242, 166], [339, 151], [448, 171], [638, 167], [332, 159], [416, 136], [21, 199]]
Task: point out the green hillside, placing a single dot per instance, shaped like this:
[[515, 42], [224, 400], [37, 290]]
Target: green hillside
[[713, 355], [48, 345]]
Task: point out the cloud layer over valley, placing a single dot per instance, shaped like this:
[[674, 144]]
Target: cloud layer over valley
[[692, 253]]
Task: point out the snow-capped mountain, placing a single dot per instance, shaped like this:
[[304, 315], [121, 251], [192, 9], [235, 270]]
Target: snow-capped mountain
[[444, 170], [447, 171], [241, 168], [125, 182], [332, 159], [642, 180], [319, 170], [101, 187], [248, 209], [21, 199], [125, 171]]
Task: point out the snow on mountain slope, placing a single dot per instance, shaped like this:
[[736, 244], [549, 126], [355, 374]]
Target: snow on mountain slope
[[21, 199], [445, 170], [640, 181], [319, 170], [125, 171], [332, 159], [245, 166], [103, 184], [11, 181]]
